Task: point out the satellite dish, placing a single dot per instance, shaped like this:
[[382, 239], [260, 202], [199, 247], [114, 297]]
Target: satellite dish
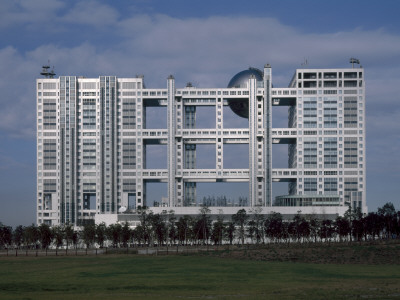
[[122, 209]]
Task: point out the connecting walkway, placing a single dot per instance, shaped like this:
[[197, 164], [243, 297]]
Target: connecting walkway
[[213, 175]]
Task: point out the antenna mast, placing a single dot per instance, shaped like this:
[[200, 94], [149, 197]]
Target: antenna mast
[[45, 71], [354, 61]]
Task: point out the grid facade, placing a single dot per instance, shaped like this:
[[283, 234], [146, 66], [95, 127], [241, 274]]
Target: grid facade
[[92, 141]]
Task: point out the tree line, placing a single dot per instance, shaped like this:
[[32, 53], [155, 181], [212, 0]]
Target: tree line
[[165, 229]]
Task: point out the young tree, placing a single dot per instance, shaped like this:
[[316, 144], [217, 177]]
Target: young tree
[[18, 236], [240, 219], [145, 223], [251, 230], [342, 226], [75, 239], [31, 236], [273, 226], [218, 230], [373, 225], [327, 230], [388, 215], [88, 234], [184, 229], [46, 235], [357, 224], [314, 225], [125, 234], [230, 231], [203, 225], [5, 236], [159, 228], [258, 221], [68, 233], [138, 234], [101, 230], [172, 230], [113, 233], [58, 236]]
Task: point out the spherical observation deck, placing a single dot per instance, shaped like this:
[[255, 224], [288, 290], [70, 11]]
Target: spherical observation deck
[[240, 80]]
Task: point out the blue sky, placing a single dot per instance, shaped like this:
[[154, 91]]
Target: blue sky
[[205, 42]]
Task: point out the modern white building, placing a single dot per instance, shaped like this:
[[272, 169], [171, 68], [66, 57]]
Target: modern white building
[[92, 141]]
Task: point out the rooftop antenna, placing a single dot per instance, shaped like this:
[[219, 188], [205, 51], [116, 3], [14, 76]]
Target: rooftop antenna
[[305, 63], [45, 71], [52, 74], [354, 61]]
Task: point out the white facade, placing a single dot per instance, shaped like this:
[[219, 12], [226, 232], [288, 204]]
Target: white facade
[[91, 143]]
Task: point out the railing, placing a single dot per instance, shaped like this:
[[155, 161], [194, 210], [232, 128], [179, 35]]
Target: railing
[[284, 132], [155, 133], [277, 173], [284, 92], [214, 173]]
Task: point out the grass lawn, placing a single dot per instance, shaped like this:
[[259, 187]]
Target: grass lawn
[[170, 277]]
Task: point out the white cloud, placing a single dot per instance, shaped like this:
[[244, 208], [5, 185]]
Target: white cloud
[[207, 52], [17, 12], [91, 13]]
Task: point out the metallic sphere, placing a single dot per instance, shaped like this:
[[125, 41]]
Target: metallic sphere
[[240, 80]]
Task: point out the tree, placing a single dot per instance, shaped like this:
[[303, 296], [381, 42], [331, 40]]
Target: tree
[[5, 236], [172, 230], [46, 236], [138, 234], [18, 236], [257, 223], [373, 225], [202, 226], [273, 226], [230, 231], [314, 225], [88, 234], [31, 236], [75, 239], [251, 229], [125, 234], [342, 227], [68, 233], [58, 236], [218, 229], [113, 233], [357, 224], [327, 230], [388, 214], [101, 230], [299, 227], [240, 219], [184, 229], [159, 227], [145, 224]]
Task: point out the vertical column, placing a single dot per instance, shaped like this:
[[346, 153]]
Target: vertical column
[[179, 152], [252, 141], [68, 149], [108, 143], [190, 157], [140, 158], [267, 135], [171, 119], [362, 151], [190, 163], [220, 141]]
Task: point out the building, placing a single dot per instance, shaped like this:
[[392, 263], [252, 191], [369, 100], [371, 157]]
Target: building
[[92, 144]]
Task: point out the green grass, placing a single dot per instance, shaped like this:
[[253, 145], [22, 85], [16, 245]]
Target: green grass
[[168, 277]]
